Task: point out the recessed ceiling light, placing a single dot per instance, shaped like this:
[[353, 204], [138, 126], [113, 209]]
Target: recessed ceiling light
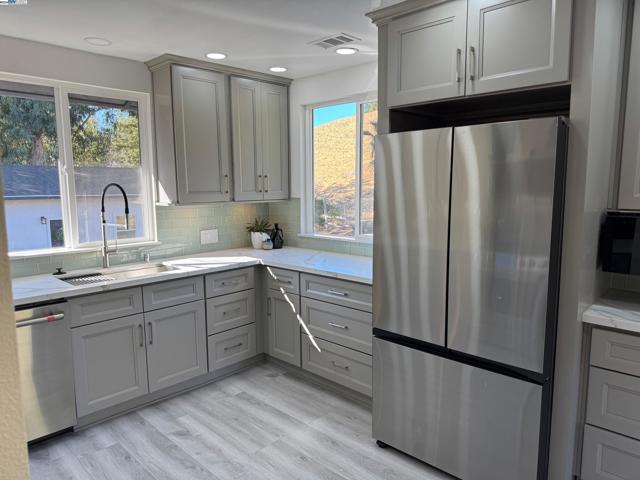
[[277, 69], [97, 41], [346, 51], [216, 56]]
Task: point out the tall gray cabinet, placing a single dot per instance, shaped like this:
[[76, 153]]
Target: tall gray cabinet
[[260, 140], [193, 111]]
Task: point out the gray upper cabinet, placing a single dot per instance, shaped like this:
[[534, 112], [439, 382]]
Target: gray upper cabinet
[[110, 363], [192, 135], [517, 44], [176, 344], [426, 56], [260, 140], [283, 327], [468, 47]]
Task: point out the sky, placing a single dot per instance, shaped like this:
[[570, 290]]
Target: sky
[[324, 115]]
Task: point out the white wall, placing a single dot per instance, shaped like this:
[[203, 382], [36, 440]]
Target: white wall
[[49, 61], [327, 87]]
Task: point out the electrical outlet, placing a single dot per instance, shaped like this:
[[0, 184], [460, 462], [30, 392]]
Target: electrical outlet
[[208, 236]]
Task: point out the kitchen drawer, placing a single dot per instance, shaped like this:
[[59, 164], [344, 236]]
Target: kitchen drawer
[[608, 456], [286, 279], [174, 292], [614, 402], [231, 347], [344, 326], [230, 311], [349, 294], [615, 351], [105, 306], [229, 282], [339, 364]]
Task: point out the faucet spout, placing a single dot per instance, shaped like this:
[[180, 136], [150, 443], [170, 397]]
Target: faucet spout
[[105, 244]]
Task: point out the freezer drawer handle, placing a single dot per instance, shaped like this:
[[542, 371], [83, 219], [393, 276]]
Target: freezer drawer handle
[[338, 292], [337, 325], [36, 321], [344, 367], [233, 346]]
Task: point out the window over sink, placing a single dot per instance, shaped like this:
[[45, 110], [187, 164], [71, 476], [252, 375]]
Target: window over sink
[[60, 145]]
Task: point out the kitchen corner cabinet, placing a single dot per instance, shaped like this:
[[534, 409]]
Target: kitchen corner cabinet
[[192, 135], [468, 47], [110, 363], [259, 113], [283, 328]]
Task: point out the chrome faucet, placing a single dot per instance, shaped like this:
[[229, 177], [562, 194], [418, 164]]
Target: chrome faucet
[[105, 245]]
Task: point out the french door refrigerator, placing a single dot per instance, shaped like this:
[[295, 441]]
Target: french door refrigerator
[[466, 275]]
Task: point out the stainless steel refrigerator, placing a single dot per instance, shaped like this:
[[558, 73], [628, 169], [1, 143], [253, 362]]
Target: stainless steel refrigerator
[[467, 247]]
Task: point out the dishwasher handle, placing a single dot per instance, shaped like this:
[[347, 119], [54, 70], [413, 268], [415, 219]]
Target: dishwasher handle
[[37, 321]]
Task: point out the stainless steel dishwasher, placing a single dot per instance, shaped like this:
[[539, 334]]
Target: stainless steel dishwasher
[[46, 369]]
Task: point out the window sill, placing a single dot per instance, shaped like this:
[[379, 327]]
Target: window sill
[[360, 239], [76, 251]]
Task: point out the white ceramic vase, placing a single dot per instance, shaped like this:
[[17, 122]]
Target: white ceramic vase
[[257, 238]]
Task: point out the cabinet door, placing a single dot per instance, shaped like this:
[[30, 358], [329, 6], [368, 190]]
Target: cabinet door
[[247, 139], [110, 364], [517, 43], [201, 135], [426, 54], [283, 327], [176, 344], [275, 142]]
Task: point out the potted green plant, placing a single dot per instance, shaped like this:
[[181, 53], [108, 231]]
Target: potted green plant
[[259, 231]]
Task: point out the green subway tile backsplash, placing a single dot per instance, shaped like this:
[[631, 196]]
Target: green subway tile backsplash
[[179, 234]]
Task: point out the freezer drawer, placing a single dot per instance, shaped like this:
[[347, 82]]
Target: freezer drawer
[[469, 422]]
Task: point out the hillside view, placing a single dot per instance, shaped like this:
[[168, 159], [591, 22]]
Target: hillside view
[[334, 154]]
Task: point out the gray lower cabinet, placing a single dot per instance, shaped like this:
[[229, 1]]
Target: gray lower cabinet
[[223, 283], [110, 363], [259, 114], [283, 328], [279, 278], [105, 306], [176, 344], [333, 290], [230, 347], [230, 311], [174, 292], [608, 456]]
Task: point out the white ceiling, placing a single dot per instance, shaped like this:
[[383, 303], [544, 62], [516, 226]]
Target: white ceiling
[[255, 34]]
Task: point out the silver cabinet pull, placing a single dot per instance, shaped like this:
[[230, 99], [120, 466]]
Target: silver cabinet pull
[[36, 321], [232, 311], [337, 365], [141, 335], [269, 307], [458, 60], [232, 346], [337, 292], [472, 61], [286, 282], [232, 282], [260, 183], [337, 325], [266, 183], [150, 325], [226, 184]]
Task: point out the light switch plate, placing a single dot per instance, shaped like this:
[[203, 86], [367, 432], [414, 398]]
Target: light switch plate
[[208, 236]]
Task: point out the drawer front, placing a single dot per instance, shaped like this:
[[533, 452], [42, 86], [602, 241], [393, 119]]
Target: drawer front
[[105, 306], [229, 282], [616, 351], [339, 364], [278, 278], [614, 402], [344, 326], [174, 292], [340, 292], [607, 456], [231, 347], [230, 311]]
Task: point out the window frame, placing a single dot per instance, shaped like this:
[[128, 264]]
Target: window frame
[[307, 203], [62, 90]]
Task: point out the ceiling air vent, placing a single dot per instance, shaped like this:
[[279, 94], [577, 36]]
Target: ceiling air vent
[[334, 41]]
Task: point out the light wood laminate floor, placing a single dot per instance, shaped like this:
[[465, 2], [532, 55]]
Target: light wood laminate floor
[[264, 423]]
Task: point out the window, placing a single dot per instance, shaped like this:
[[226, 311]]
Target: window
[[342, 158], [53, 194]]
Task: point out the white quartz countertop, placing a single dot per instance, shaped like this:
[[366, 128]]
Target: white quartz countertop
[[616, 309], [40, 288]]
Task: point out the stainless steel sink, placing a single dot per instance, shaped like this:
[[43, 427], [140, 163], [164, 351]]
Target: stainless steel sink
[[112, 274]]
